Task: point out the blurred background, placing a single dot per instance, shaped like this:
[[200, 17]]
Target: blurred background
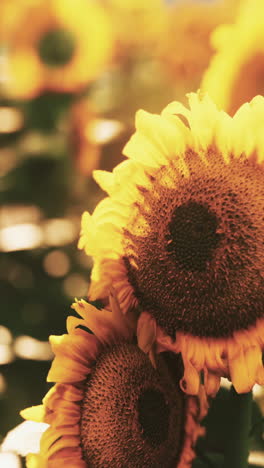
[[72, 75]]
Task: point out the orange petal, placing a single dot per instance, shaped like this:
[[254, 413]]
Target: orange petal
[[64, 441], [190, 382], [239, 372], [146, 332], [59, 391], [211, 382], [253, 356], [68, 458]]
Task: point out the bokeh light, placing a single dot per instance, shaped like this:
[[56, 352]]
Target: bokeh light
[[27, 347], [56, 263], [60, 231], [20, 237], [24, 437], [11, 120], [10, 460], [75, 285]]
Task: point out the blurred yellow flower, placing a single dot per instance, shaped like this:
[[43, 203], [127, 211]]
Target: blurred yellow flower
[[59, 45], [236, 72], [180, 237], [11, 13], [138, 26], [185, 47], [99, 411]]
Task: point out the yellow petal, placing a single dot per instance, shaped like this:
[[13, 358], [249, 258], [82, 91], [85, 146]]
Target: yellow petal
[[26, 75], [34, 413], [34, 460], [105, 180]]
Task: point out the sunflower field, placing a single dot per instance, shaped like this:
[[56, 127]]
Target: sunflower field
[[132, 233]]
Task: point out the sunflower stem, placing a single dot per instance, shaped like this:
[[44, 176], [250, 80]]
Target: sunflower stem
[[238, 430]]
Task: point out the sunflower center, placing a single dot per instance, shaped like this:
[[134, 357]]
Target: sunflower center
[[132, 414], [154, 416], [194, 252], [56, 47], [193, 236]]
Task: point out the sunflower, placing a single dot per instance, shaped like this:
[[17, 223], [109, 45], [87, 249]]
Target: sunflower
[[184, 48], [58, 45], [110, 406], [180, 237], [240, 66], [10, 16], [131, 16]]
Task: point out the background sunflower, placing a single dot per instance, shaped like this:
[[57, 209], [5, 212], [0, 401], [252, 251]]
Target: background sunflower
[[185, 48], [241, 67], [59, 46]]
